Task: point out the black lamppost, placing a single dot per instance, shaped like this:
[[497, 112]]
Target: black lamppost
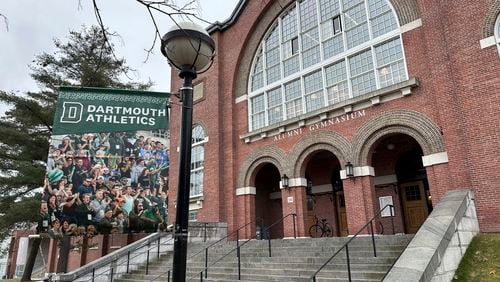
[[190, 49]]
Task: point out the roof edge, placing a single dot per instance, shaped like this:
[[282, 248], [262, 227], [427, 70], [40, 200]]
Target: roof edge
[[221, 26]]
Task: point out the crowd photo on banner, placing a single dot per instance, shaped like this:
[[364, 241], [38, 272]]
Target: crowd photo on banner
[[107, 182]]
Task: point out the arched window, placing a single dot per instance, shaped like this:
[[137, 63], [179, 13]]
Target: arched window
[[497, 33], [197, 160], [322, 52]]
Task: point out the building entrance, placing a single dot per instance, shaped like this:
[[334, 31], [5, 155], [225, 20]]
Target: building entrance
[[414, 205], [268, 206]]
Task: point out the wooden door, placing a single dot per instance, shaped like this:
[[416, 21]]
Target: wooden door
[[341, 213], [414, 205]]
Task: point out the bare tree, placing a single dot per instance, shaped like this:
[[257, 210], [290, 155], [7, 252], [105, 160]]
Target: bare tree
[[6, 21], [188, 11]]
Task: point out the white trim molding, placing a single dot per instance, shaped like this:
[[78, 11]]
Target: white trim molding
[[411, 25], [487, 42], [359, 171], [246, 191], [435, 159], [241, 99], [295, 182]]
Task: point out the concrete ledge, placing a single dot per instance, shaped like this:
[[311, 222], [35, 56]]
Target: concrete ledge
[[437, 248]]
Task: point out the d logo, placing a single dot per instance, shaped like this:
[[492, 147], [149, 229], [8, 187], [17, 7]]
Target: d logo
[[72, 112]]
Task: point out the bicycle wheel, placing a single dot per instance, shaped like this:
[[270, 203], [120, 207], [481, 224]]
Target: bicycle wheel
[[315, 231], [327, 231]]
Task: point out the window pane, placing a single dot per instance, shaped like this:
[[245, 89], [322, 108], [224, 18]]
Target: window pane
[[273, 38], [355, 16], [377, 7], [258, 112], [357, 36], [336, 73], [273, 74], [198, 134], [308, 16], [329, 9], [310, 38], [333, 46], [257, 104], [383, 24], [197, 157], [257, 81], [291, 65], [363, 84], [293, 98], [361, 63], [196, 188], [389, 52], [311, 57], [272, 57], [275, 107], [392, 74], [274, 97], [313, 82], [338, 93], [350, 3], [314, 101], [289, 25]]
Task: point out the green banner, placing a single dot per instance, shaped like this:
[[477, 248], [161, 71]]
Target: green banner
[[82, 110]]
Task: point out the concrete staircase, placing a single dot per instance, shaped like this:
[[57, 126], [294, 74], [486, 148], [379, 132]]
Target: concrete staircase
[[292, 260]]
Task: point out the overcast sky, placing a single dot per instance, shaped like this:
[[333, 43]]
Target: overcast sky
[[33, 24]]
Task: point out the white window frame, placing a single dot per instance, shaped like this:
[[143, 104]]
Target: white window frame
[[374, 41], [201, 168]]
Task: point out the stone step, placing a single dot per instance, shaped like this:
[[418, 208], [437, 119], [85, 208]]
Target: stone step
[[292, 260]]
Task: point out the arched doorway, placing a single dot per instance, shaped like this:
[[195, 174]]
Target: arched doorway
[[401, 180], [325, 191], [268, 206]]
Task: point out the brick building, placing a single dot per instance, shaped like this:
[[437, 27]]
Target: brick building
[[406, 91]]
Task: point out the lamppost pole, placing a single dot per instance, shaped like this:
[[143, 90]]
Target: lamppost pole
[[182, 212], [190, 49]]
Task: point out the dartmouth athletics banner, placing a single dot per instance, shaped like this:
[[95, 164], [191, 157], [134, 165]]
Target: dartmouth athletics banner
[[108, 158], [81, 110]]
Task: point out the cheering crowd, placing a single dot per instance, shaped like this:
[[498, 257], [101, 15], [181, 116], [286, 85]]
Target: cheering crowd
[[105, 183]]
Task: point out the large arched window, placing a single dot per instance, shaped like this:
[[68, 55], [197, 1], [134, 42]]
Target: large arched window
[[322, 52], [497, 33], [197, 160]]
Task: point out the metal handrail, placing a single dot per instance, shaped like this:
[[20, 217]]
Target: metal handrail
[[238, 248], [346, 245], [209, 246], [129, 259], [272, 225]]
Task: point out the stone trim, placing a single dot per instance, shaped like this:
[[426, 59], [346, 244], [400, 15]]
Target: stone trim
[[408, 122], [440, 243], [358, 103], [258, 157], [246, 191], [295, 182], [358, 171], [435, 159], [411, 25], [487, 42], [330, 141], [241, 99]]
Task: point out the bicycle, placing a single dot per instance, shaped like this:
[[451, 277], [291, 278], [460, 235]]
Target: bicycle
[[320, 228]]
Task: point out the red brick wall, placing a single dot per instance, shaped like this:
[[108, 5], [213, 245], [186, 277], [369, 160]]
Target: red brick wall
[[458, 90]]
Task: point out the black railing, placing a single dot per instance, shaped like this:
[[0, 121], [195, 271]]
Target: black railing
[[204, 273], [346, 245], [115, 265]]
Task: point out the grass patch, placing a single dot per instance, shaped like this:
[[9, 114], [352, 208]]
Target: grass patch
[[481, 262]]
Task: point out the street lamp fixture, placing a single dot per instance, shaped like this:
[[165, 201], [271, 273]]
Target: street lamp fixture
[[190, 49], [349, 169], [285, 181]]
